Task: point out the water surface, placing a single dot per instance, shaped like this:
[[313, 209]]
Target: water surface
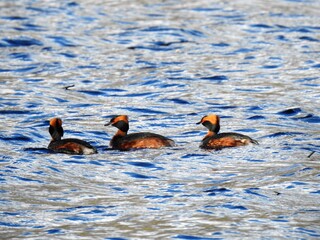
[[166, 64]]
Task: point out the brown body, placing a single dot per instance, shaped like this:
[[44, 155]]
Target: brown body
[[68, 145], [123, 141], [216, 140]]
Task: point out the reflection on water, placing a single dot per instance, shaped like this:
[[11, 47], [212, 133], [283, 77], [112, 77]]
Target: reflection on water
[[165, 64]]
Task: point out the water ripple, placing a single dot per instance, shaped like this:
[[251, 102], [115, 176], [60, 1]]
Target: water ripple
[[20, 42], [166, 65], [139, 176]]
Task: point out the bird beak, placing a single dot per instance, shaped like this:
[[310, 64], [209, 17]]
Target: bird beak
[[198, 122], [107, 124]]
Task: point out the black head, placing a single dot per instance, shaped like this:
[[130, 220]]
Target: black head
[[121, 122]]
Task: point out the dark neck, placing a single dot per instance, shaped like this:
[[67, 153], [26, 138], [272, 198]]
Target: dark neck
[[215, 128], [56, 133]]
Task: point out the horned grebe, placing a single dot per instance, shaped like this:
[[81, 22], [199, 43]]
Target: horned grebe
[[68, 145], [216, 140], [123, 141]]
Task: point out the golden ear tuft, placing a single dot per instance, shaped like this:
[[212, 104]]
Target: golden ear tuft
[[214, 119], [121, 118], [55, 122]]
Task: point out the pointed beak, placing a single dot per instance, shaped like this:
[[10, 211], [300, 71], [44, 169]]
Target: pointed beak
[[198, 122], [107, 124]]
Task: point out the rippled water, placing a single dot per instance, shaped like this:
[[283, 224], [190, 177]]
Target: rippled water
[[165, 64]]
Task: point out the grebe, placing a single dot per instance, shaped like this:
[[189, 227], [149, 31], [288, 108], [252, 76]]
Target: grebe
[[123, 141], [68, 145], [215, 140]]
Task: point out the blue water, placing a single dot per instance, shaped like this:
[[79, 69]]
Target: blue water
[[166, 64]]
